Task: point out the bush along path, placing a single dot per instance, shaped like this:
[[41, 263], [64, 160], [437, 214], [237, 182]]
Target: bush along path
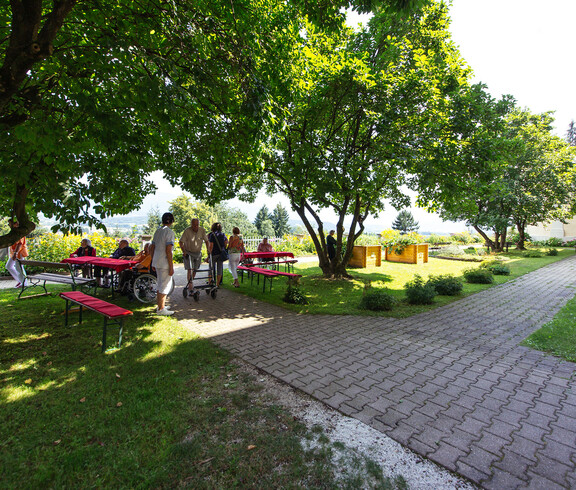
[[452, 384]]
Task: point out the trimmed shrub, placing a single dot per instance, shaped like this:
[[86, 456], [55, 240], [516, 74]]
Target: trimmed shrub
[[418, 292], [446, 284], [451, 251], [378, 300], [551, 252], [478, 276], [470, 251], [499, 270], [535, 254]]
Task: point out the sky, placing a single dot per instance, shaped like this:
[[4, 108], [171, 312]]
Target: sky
[[518, 47]]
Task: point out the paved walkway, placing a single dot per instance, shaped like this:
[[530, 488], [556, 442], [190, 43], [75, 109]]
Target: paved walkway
[[451, 384]]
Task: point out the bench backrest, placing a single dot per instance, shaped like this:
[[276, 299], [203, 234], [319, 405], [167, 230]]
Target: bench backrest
[[45, 265]]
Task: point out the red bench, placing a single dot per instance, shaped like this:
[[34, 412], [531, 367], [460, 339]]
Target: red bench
[[107, 310], [267, 274]]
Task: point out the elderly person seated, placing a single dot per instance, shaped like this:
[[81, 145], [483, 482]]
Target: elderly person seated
[[85, 250], [144, 259], [124, 251], [264, 246]]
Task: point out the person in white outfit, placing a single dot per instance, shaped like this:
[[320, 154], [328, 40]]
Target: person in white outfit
[[235, 252], [17, 251], [161, 253]]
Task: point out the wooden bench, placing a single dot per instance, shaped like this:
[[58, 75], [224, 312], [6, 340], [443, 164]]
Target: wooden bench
[[108, 310], [40, 279], [288, 264], [267, 275]]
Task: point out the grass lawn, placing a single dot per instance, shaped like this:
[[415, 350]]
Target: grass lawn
[[166, 410], [557, 337], [338, 297]]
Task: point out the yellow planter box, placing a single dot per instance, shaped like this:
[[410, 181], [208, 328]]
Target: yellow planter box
[[412, 254], [366, 256]]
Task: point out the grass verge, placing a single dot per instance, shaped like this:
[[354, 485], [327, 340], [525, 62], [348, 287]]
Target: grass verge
[[557, 337], [166, 410], [342, 297]]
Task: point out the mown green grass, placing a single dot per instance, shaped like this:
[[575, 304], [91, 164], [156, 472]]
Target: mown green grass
[[339, 297], [168, 409], [557, 337]]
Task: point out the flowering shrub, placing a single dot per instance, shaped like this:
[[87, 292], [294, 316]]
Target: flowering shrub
[[298, 245], [53, 247]]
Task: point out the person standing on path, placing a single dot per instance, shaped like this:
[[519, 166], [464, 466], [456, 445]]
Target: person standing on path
[[191, 244], [18, 250], [235, 251], [161, 252], [331, 242], [218, 244]]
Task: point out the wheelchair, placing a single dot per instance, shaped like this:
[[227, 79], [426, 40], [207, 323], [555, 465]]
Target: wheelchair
[[141, 286]]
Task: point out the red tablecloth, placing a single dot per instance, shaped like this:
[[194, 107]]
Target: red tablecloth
[[268, 255], [116, 264]]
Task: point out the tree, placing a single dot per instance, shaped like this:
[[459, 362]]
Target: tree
[[154, 221], [230, 218], [280, 219], [355, 116], [262, 216], [571, 134], [461, 179], [405, 222], [539, 176], [186, 83], [267, 228]]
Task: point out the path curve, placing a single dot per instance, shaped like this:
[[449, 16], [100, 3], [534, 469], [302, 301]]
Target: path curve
[[452, 384]]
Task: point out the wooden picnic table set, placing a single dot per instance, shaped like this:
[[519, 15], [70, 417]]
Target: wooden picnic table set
[[268, 268], [64, 273]]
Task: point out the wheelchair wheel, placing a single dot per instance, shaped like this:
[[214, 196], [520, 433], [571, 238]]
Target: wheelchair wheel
[[213, 293], [185, 292], [196, 295], [145, 288]]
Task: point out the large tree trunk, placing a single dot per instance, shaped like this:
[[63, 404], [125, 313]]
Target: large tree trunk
[[521, 227]]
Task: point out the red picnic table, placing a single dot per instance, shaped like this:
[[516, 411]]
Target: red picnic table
[[115, 265], [270, 258]]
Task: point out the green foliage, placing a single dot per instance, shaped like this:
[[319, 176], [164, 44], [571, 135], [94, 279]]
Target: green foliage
[[452, 251], [405, 222], [465, 238], [263, 216], [551, 251], [446, 284], [294, 295], [535, 254], [397, 243], [419, 292], [499, 269], [478, 276], [471, 251], [280, 219], [378, 300], [297, 245], [554, 242], [53, 247], [154, 221]]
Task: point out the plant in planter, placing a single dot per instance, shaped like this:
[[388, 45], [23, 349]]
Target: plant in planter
[[397, 244]]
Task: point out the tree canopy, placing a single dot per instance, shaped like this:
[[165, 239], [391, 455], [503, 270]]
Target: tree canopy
[[96, 95]]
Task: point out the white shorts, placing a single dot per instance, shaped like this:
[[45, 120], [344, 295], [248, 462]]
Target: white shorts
[[163, 281]]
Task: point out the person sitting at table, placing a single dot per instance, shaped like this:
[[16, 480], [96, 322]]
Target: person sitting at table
[[144, 260], [123, 250], [85, 250], [264, 246]]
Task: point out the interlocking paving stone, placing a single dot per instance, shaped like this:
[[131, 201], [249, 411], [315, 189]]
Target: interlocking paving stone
[[451, 384]]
